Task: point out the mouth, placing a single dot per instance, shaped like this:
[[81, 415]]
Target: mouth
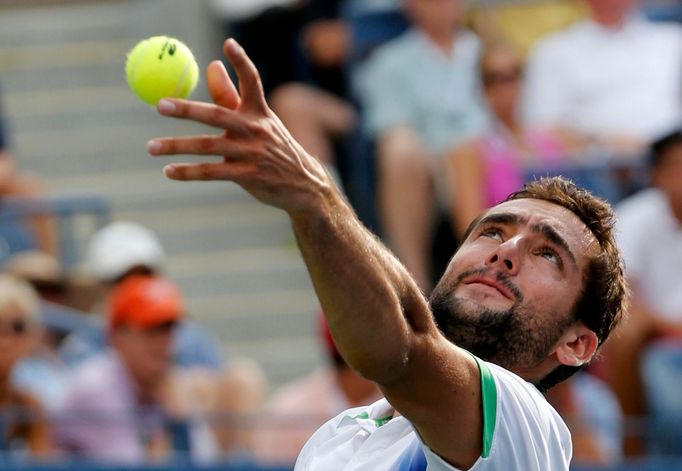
[[504, 291]]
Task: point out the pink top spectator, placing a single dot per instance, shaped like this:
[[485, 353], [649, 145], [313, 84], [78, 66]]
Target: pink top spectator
[[504, 165], [101, 418]]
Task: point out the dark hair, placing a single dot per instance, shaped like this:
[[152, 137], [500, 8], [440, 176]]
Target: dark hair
[[605, 294], [661, 145]]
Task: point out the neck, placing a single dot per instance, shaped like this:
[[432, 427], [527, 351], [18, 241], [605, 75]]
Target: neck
[[609, 21], [534, 374], [443, 40], [510, 123]]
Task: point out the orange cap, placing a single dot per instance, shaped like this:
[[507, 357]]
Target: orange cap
[[144, 301]]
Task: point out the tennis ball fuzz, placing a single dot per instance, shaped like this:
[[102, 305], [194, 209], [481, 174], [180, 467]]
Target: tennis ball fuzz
[[160, 67]]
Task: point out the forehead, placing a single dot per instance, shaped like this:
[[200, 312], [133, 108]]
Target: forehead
[[564, 221]]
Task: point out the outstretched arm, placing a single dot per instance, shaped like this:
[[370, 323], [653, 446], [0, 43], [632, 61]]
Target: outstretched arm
[[378, 317]]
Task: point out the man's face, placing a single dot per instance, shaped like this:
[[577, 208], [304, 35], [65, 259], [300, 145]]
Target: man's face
[[18, 335], [147, 352], [612, 11], [439, 16], [509, 291]]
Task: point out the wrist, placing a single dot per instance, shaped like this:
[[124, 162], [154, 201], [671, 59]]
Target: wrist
[[323, 206]]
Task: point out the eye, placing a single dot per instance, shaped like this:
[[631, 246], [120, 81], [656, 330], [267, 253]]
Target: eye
[[550, 254], [492, 232]]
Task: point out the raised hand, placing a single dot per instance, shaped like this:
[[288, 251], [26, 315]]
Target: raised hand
[[257, 151]]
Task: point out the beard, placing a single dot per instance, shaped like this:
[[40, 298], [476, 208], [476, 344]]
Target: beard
[[515, 338]]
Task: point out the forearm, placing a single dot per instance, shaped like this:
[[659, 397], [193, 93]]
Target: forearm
[[374, 308]]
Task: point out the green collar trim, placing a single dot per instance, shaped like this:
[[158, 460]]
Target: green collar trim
[[489, 406]]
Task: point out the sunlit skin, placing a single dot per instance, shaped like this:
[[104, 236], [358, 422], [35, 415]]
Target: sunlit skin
[[527, 252], [611, 13]]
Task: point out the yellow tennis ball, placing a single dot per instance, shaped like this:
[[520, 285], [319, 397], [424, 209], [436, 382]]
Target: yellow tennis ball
[[160, 67]]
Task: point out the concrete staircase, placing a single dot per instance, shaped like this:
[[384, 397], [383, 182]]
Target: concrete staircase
[[73, 122]]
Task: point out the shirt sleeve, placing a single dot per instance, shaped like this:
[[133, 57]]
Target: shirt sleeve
[[384, 94], [526, 432]]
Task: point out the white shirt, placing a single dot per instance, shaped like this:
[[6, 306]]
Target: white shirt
[[597, 81], [650, 240], [525, 433]]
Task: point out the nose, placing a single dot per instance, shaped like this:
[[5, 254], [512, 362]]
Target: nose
[[506, 257]]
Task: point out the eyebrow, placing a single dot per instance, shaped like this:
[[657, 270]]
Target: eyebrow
[[549, 232]]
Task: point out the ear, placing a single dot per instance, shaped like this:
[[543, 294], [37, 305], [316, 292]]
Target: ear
[[576, 346]]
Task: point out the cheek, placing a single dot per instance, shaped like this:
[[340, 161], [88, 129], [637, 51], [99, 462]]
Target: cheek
[[471, 255], [549, 291]]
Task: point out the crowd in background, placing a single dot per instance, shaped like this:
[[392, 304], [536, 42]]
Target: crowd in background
[[441, 108]]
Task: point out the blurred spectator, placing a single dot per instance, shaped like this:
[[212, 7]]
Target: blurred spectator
[[302, 67], [14, 183], [43, 372], [120, 406], [42, 270], [298, 408], [224, 392], [593, 416], [651, 243], [123, 249], [420, 97], [25, 427], [485, 171], [312, 104], [615, 79]]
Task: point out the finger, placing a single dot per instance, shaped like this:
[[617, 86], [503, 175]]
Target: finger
[[207, 113], [199, 145], [220, 86], [209, 171], [250, 85]]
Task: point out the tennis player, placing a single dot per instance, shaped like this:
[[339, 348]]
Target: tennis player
[[533, 291]]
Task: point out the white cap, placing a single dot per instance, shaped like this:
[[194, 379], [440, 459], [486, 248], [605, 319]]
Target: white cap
[[120, 246]]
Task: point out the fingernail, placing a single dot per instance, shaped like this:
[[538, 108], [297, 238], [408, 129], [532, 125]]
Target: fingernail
[[168, 170], [165, 106], [153, 146], [232, 45]]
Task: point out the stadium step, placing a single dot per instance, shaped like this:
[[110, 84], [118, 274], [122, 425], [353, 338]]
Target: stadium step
[[73, 122]]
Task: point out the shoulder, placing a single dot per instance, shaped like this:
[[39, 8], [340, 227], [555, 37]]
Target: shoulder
[[646, 205], [510, 384], [96, 378], [561, 42], [469, 41], [523, 411], [525, 432]]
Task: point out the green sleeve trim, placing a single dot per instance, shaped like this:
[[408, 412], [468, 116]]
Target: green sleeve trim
[[377, 422], [489, 406]]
